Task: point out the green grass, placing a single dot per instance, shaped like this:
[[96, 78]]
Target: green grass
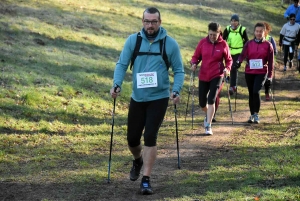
[[57, 61]]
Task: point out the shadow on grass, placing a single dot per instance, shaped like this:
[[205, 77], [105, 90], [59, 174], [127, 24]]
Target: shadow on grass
[[197, 176], [38, 115]]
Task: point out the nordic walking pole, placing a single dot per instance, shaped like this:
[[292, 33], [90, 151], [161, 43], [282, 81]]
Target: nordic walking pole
[[297, 56], [298, 60], [175, 112], [274, 106], [236, 92], [188, 100], [193, 90], [273, 85], [111, 137], [298, 64], [235, 99], [227, 80]]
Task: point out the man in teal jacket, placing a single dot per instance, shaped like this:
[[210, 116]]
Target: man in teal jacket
[[150, 91]]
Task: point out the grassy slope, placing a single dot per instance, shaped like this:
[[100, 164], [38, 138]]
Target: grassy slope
[[57, 61]]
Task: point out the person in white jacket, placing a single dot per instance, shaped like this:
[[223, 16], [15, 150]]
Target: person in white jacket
[[289, 39]]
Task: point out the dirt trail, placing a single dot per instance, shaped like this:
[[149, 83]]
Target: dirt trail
[[196, 149]]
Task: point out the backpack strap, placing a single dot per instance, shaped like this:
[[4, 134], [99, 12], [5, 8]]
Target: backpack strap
[[229, 30], [136, 48], [137, 52], [241, 29], [164, 53]]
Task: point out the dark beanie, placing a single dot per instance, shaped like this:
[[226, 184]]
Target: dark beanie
[[235, 17], [292, 15]]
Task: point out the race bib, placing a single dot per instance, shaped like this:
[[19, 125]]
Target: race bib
[[146, 80], [256, 64]]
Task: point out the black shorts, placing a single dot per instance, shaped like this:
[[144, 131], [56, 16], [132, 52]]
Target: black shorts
[[146, 116]]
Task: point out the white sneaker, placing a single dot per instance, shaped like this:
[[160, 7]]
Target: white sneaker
[[284, 68], [208, 130]]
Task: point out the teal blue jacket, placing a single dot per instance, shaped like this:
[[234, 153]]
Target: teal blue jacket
[[151, 63]]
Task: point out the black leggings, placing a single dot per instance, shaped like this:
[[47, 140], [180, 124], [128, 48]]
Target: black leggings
[[211, 88], [286, 53], [234, 71], [254, 84], [148, 116]]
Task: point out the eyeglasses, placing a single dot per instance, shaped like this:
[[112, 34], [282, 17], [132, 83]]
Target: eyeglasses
[[150, 22], [293, 19]]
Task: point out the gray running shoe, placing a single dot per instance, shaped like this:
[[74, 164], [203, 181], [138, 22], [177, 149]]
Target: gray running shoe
[[135, 170], [251, 119], [256, 118]]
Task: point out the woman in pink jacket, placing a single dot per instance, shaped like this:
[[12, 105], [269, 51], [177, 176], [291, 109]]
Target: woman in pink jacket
[[211, 51], [259, 55]]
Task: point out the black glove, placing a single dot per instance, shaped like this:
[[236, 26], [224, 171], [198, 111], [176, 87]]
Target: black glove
[[236, 65], [268, 82]]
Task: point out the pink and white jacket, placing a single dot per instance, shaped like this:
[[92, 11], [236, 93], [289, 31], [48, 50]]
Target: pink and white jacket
[[258, 50], [212, 56]]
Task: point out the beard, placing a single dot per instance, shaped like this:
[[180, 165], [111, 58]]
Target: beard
[[151, 32]]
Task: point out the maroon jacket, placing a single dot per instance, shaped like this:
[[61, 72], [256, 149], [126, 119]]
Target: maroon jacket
[[212, 56], [258, 50]]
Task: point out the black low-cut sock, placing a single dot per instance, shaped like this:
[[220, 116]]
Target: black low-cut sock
[[145, 179], [138, 160]]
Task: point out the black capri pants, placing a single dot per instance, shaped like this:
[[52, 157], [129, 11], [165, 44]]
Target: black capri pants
[[208, 91], [147, 116]]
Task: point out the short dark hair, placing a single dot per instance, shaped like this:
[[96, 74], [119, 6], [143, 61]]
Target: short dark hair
[[292, 15], [260, 24], [152, 10], [213, 26]]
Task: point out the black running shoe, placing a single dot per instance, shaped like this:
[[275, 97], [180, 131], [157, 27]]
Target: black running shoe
[[146, 188], [214, 120], [290, 64], [135, 170]]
